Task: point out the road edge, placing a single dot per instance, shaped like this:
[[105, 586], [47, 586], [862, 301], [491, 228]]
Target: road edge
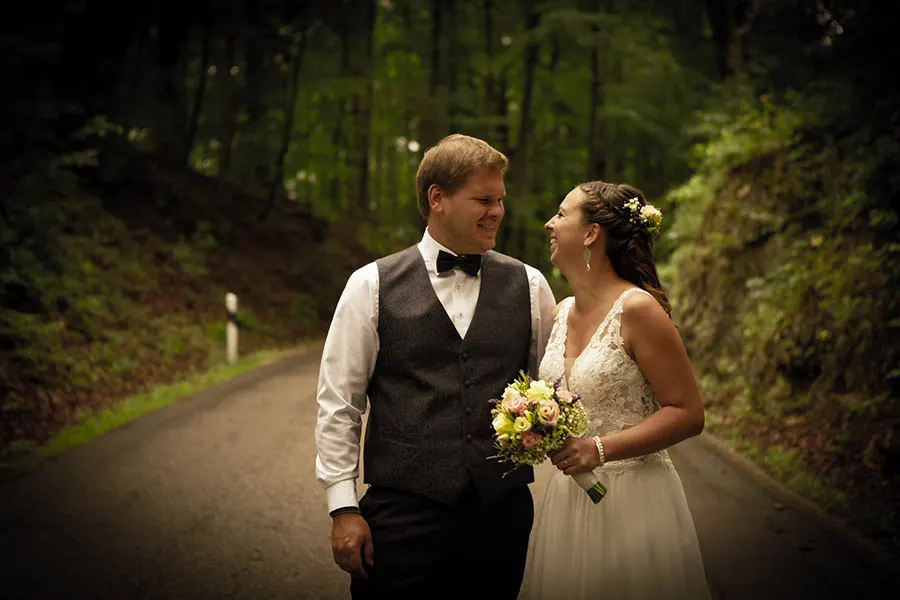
[[290, 358], [869, 548]]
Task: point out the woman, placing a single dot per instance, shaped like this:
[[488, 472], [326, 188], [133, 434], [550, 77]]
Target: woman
[[614, 344]]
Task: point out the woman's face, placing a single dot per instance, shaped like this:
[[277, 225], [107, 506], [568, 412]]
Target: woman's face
[[568, 232]]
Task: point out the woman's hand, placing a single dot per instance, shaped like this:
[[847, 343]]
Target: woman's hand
[[576, 455]]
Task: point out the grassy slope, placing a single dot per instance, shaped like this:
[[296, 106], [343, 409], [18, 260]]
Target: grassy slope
[[152, 254]]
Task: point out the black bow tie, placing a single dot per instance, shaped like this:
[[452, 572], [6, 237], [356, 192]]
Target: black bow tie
[[470, 263]]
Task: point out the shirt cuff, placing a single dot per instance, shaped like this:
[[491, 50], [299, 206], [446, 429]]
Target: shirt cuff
[[341, 494]]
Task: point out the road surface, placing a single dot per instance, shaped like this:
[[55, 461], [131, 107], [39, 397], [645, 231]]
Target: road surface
[[215, 497]]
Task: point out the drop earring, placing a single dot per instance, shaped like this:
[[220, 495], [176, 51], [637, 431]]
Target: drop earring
[[587, 258]]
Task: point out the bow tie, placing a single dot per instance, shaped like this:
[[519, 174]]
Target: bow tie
[[470, 263]]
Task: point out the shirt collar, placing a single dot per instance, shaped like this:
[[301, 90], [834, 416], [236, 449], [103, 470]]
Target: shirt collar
[[429, 248]]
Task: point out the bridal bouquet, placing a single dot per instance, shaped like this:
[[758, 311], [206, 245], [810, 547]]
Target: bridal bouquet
[[535, 417]]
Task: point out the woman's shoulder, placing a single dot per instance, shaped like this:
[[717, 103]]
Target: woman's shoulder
[[642, 311], [637, 297]]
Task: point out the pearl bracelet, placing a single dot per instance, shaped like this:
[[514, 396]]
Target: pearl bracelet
[[599, 445]]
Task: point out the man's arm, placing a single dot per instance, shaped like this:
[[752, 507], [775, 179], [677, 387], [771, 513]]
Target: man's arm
[[348, 360], [543, 304]]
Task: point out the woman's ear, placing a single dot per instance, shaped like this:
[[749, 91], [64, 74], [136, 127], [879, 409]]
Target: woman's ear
[[592, 235]]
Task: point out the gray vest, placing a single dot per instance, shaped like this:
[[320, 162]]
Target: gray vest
[[429, 427]]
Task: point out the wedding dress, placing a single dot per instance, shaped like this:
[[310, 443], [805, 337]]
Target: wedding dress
[[639, 542]]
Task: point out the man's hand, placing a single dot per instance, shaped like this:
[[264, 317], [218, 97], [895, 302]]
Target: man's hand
[[351, 539]]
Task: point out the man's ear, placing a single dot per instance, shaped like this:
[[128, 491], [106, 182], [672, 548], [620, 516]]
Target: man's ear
[[435, 199], [593, 234]]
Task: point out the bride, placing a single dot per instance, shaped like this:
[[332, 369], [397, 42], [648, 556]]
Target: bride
[[614, 344]]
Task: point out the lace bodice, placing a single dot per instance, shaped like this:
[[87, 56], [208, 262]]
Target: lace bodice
[[611, 385]]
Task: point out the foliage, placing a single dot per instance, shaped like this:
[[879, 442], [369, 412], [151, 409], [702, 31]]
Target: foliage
[[100, 301], [190, 253], [786, 272]]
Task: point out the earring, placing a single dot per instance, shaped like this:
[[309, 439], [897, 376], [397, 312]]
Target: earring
[[587, 258]]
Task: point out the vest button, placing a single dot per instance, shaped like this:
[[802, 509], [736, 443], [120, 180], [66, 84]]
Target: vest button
[[468, 410], [465, 355], [468, 437], [467, 383]]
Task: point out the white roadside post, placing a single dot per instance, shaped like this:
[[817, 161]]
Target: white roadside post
[[231, 328]]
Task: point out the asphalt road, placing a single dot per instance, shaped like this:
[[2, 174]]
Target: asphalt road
[[215, 497]]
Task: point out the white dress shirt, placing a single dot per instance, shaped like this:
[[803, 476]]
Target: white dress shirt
[[351, 349]]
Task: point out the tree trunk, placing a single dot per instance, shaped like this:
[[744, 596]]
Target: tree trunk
[[729, 21], [290, 105], [554, 53], [255, 43], [338, 136], [393, 175], [363, 106], [595, 162], [87, 72], [199, 92], [503, 139], [524, 145], [495, 87], [126, 112], [171, 122], [228, 122], [490, 84], [688, 16], [431, 127], [433, 77], [502, 142], [378, 196], [452, 60]]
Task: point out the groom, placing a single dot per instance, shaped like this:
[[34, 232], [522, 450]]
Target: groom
[[428, 335]]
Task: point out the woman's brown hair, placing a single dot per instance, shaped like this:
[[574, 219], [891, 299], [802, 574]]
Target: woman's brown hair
[[629, 244]]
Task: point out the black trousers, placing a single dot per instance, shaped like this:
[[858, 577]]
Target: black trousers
[[427, 549]]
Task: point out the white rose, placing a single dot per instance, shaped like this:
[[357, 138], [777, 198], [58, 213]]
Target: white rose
[[509, 392], [651, 214], [539, 390]]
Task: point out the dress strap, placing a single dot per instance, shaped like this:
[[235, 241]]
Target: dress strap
[[565, 307], [615, 315], [558, 332]]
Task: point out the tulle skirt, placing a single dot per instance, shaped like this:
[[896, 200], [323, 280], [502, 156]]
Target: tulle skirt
[[638, 543]]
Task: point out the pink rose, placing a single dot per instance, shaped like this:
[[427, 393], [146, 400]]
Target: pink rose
[[548, 412], [514, 404], [565, 396], [531, 439]]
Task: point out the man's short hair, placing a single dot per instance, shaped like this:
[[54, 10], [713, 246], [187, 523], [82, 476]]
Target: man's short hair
[[449, 163]]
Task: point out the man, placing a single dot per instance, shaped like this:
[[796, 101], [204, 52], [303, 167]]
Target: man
[[429, 335]]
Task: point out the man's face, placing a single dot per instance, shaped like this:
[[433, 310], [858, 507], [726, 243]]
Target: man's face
[[467, 221]]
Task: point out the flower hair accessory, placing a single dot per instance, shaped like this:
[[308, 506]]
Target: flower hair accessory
[[648, 215]]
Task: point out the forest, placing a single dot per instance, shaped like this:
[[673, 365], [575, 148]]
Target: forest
[[156, 155]]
